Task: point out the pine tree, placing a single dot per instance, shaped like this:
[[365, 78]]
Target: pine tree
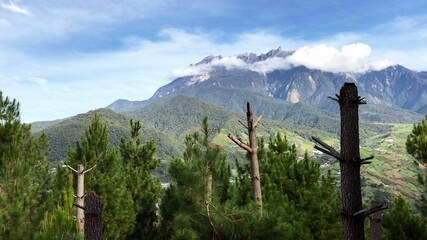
[[58, 222], [416, 142], [416, 145], [200, 181], [139, 162], [400, 223], [24, 175], [107, 179], [298, 202], [299, 182]]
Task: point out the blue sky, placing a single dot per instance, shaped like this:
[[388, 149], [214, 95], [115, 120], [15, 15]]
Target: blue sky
[[61, 58]]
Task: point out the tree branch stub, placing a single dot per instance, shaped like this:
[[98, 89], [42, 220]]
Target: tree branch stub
[[238, 142]]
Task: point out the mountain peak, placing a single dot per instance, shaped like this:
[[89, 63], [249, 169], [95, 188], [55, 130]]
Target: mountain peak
[[250, 57], [209, 59]]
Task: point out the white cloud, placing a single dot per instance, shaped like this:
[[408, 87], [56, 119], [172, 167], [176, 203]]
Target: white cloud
[[15, 8], [192, 71], [381, 64], [229, 62], [356, 51], [351, 58], [270, 65]]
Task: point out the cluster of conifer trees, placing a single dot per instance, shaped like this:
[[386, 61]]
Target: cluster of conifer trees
[[208, 198]]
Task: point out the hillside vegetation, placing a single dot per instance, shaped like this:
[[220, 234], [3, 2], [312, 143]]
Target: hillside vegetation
[[168, 120]]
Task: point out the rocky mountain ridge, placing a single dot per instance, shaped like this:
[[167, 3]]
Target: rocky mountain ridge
[[396, 87]]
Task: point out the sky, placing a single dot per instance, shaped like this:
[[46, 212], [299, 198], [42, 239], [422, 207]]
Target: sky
[[60, 58]]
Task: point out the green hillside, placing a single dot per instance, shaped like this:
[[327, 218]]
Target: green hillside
[[65, 133], [169, 120], [182, 115]]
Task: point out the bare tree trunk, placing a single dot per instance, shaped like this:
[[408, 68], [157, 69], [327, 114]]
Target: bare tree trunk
[[208, 200], [350, 164], [252, 149], [256, 179], [375, 219], [93, 217], [209, 188], [80, 197], [353, 216], [80, 194], [208, 196]]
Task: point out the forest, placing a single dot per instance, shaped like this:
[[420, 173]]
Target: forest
[[208, 197]]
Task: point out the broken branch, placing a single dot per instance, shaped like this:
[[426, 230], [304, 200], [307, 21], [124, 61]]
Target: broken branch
[[72, 169], [238, 142], [361, 100], [240, 121], [328, 149], [337, 99], [89, 169], [78, 206], [257, 121], [366, 212]]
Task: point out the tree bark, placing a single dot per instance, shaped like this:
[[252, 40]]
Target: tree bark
[[350, 164], [80, 197], [93, 217], [375, 218], [255, 177], [252, 150]]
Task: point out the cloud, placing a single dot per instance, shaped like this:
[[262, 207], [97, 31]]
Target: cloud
[[350, 58], [15, 8], [270, 65], [79, 82]]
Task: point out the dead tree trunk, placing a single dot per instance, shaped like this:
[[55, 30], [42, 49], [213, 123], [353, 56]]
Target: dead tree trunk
[[255, 177], [93, 217], [80, 194], [375, 218], [350, 165], [353, 215], [80, 197], [252, 149]]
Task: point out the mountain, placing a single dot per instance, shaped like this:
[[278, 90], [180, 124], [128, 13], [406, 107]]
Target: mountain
[[65, 133], [396, 86], [169, 120], [294, 103], [394, 94], [181, 115], [123, 105]]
